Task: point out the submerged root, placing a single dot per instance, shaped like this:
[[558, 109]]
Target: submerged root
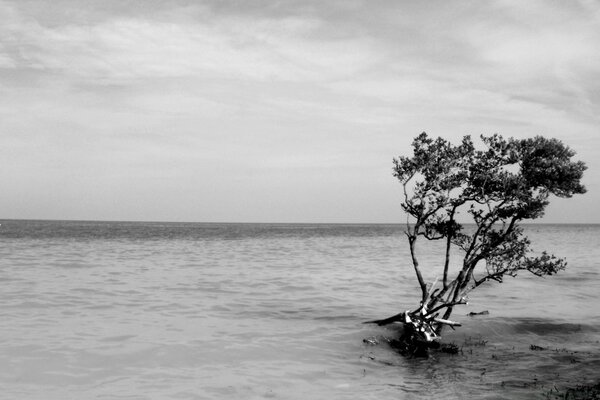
[[417, 338], [420, 333]]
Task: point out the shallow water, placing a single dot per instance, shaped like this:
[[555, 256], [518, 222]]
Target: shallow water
[[96, 310]]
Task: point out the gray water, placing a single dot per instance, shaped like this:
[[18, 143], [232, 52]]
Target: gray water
[[93, 310]]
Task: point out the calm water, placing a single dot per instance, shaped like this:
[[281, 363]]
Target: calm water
[[93, 310]]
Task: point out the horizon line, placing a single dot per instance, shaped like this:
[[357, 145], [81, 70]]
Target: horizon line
[[266, 223]]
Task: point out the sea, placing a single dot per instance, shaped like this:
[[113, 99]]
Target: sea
[[154, 310]]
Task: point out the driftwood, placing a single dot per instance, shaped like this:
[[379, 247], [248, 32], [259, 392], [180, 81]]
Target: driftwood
[[395, 318], [473, 314]]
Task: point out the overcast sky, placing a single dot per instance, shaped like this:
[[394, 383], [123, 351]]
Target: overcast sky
[[277, 111]]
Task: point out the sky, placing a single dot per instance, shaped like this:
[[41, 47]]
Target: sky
[[277, 111]]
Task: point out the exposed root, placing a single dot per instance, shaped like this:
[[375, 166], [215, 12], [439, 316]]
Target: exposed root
[[420, 332]]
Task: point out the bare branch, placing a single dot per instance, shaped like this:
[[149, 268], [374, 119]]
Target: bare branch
[[422, 284], [447, 322], [448, 245], [446, 305]]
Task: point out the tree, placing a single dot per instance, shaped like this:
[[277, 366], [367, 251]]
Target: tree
[[495, 188]]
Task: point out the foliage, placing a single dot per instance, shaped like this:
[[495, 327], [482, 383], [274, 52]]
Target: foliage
[[497, 187]]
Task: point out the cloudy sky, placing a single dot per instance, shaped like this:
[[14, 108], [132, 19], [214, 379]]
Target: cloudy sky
[[277, 111]]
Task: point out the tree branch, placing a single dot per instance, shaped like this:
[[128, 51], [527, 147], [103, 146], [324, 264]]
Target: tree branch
[[422, 284], [446, 305], [448, 244]]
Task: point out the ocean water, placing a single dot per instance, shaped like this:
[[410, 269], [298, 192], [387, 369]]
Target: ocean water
[[119, 310]]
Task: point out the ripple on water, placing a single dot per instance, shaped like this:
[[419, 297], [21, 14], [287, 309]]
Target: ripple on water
[[189, 311]]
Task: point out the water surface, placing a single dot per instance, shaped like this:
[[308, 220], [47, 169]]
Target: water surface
[[122, 310]]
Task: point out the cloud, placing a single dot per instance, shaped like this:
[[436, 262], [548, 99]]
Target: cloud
[[128, 48], [541, 54], [248, 94]]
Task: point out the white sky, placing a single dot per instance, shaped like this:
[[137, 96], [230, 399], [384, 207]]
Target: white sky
[[277, 111]]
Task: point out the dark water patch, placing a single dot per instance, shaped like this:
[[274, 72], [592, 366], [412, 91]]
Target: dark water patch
[[585, 277], [299, 288], [337, 318], [100, 307], [31, 304], [578, 392], [501, 328], [120, 338], [219, 308], [87, 291], [162, 307], [117, 230], [69, 264], [503, 371], [540, 326], [325, 315], [10, 279]]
